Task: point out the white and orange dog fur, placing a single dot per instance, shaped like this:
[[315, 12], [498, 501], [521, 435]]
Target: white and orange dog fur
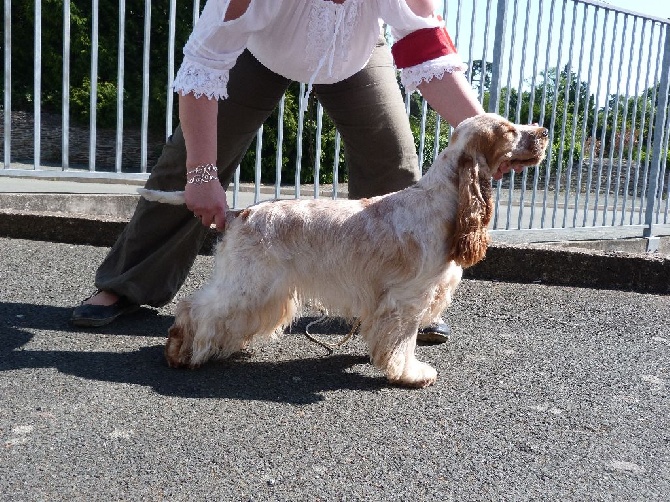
[[393, 261]]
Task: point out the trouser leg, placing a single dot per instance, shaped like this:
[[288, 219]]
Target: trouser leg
[[153, 255], [369, 112]]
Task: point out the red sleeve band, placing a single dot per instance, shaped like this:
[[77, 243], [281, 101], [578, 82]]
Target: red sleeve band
[[421, 46]]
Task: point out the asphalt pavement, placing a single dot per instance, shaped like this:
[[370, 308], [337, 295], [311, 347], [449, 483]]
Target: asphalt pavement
[[545, 392]]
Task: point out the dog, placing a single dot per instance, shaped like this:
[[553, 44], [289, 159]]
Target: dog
[[393, 262]]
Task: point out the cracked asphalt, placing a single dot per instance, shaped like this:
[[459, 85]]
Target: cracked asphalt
[[544, 393]]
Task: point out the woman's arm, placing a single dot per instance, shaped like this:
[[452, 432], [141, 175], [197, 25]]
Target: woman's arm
[[452, 97], [207, 200], [198, 121], [211, 51]]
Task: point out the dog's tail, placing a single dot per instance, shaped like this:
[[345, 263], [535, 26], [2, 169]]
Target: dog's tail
[[175, 198]]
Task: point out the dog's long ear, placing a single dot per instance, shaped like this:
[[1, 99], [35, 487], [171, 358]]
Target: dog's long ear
[[475, 208]]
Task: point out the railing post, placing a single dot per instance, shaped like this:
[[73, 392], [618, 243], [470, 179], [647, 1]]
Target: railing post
[[37, 87], [7, 104], [498, 49], [659, 134]]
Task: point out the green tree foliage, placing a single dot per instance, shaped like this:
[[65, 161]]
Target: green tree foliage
[[81, 19]]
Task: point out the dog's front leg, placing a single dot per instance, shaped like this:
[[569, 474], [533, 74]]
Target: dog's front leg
[[392, 342]]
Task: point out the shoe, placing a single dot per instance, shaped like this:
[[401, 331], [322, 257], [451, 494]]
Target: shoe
[[93, 316], [437, 332]]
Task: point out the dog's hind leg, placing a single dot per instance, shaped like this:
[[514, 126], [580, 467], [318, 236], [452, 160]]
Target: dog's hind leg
[[261, 319], [236, 307], [179, 345], [391, 338]]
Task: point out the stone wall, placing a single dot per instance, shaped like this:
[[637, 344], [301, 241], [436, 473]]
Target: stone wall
[[51, 139]]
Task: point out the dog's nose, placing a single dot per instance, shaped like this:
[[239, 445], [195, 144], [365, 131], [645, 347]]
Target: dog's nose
[[544, 132]]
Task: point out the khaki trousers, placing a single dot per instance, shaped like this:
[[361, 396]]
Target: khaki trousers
[[153, 255]]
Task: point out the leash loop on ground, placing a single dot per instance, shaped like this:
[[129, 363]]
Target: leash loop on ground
[[330, 347]]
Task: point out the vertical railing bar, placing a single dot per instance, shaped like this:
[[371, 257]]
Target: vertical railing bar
[[236, 187], [559, 162], [633, 120], [37, 87], [652, 119], [643, 118], [485, 53], [524, 176], [659, 134], [317, 156], [496, 79], [512, 52], [603, 132], [436, 136], [258, 165], [512, 174], [146, 54], [196, 11], [594, 126], [471, 43], [457, 36], [65, 119], [302, 104], [336, 164], [120, 79], [172, 28], [664, 160], [531, 104], [501, 23], [438, 118], [552, 125], [7, 101], [422, 132], [280, 146], [94, 86], [587, 110], [575, 116], [613, 146]]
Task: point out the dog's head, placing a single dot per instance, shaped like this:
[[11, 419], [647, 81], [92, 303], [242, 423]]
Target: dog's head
[[485, 144]]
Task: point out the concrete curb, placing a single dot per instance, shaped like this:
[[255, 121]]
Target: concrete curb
[[644, 273], [524, 263]]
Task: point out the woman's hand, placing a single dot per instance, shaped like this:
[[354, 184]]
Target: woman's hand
[[208, 203]]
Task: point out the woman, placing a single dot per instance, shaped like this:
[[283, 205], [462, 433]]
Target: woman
[[239, 60]]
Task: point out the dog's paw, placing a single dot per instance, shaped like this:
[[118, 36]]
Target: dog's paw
[[417, 375], [176, 353], [174, 358]]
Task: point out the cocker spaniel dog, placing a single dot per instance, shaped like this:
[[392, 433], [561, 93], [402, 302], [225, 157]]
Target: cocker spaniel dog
[[393, 262]]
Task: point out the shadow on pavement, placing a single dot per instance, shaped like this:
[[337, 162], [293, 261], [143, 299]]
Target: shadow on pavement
[[299, 381]]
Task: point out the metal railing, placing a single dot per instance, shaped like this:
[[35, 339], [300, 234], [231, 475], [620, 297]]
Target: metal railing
[[596, 76]]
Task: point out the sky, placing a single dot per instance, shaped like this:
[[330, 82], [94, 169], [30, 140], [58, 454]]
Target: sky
[[657, 8]]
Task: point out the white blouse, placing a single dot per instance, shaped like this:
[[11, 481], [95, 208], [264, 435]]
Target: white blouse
[[314, 41]]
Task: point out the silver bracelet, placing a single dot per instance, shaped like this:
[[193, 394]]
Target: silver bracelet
[[204, 173]]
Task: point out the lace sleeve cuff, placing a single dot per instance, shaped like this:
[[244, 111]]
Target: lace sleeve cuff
[[412, 76], [201, 81]]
